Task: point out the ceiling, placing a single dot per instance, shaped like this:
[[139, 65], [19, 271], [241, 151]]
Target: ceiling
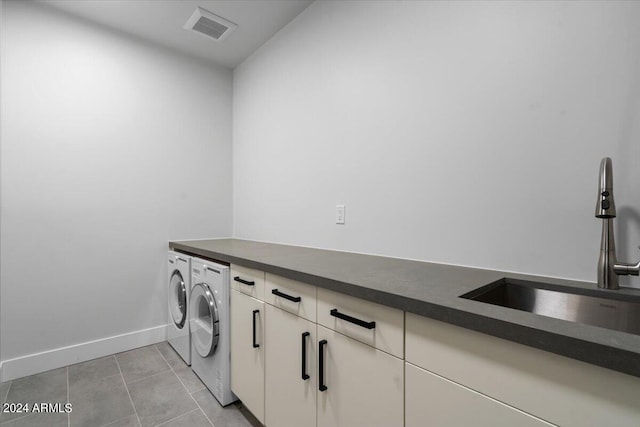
[[162, 21]]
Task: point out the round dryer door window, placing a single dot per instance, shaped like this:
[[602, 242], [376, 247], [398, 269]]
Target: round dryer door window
[[178, 299], [204, 320]]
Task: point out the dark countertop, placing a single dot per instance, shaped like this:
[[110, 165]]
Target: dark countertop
[[433, 290]]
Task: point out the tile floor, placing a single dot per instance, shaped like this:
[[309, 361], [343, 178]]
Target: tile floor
[[148, 386]]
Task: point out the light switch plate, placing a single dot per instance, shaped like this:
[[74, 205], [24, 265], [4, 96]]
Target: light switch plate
[[339, 214]]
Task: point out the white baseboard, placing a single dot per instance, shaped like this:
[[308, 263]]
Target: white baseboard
[[59, 357]]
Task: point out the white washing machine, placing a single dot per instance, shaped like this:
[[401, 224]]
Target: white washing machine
[[179, 274], [210, 331]]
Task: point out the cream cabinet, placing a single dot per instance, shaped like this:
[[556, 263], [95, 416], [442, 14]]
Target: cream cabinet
[[360, 365], [348, 372], [434, 401], [358, 385], [557, 389], [248, 320], [248, 351], [292, 296], [291, 375], [248, 281], [377, 325]]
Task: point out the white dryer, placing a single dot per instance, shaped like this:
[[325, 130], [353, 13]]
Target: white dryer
[[209, 306], [179, 274]]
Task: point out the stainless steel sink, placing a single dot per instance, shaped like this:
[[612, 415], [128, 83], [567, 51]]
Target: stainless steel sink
[[620, 312]]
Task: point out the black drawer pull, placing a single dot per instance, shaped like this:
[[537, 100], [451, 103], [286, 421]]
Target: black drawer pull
[[285, 296], [244, 282], [305, 376], [322, 386], [255, 344], [368, 325]]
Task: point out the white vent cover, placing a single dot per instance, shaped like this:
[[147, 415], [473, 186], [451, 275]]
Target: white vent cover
[[210, 25]]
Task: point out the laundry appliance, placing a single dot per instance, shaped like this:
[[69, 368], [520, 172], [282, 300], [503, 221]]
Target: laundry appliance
[[179, 274], [209, 306]]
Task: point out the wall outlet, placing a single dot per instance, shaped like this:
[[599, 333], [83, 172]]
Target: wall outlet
[[339, 214]]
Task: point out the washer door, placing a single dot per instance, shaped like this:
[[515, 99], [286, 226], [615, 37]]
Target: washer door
[[204, 320], [178, 299]]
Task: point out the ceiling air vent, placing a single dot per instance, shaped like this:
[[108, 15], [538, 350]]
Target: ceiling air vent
[[209, 24]]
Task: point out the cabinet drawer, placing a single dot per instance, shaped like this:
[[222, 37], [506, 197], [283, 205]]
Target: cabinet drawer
[[292, 296], [452, 405], [248, 281], [558, 389], [387, 334]]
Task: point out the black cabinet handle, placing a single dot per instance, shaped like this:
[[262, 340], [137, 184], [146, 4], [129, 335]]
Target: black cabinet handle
[[322, 386], [244, 282], [255, 344], [285, 296], [305, 376], [368, 325]]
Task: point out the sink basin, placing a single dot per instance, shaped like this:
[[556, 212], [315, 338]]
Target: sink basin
[[563, 303]]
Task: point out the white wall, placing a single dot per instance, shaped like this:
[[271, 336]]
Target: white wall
[[460, 132], [111, 146]]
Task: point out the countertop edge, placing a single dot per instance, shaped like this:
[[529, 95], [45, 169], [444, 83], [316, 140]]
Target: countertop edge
[[586, 351]]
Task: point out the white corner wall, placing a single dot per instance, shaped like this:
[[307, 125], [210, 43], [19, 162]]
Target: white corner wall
[[111, 147], [458, 132]]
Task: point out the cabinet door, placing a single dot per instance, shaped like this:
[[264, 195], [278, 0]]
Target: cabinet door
[[558, 389], [248, 352], [290, 381], [434, 401], [364, 386]]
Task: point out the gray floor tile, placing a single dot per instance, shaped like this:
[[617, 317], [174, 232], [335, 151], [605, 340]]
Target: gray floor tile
[[130, 421], [171, 356], [4, 389], [189, 379], [93, 370], [192, 419], [141, 363], [39, 420], [229, 416], [99, 402], [49, 387], [160, 398]]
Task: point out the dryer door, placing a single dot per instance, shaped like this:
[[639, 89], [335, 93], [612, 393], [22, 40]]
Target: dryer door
[[204, 320], [178, 299]]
